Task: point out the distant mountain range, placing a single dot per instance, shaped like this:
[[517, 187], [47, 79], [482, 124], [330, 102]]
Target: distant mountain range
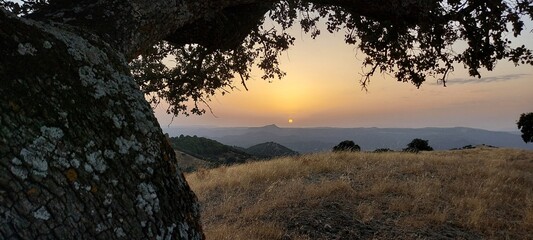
[[305, 140]]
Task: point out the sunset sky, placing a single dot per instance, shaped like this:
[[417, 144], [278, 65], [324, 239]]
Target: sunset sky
[[322, 89]]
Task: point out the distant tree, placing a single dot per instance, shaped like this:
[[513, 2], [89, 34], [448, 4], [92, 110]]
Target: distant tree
[[347, 145], [418, 145], [525, 124]]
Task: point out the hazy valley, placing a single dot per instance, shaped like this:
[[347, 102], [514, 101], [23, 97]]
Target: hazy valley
[[307, 140]]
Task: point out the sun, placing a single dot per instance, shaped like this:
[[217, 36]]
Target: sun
[[290, 120]]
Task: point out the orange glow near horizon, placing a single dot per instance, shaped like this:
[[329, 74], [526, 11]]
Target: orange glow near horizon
[[322, 89]]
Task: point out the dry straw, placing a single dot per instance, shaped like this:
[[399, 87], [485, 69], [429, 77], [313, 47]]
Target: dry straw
[[478, 193]]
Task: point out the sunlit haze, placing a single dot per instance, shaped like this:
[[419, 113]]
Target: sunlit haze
[[322, 89]]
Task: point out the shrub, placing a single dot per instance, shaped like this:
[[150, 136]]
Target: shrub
[[347, 145], [418, 145], [525, 124]]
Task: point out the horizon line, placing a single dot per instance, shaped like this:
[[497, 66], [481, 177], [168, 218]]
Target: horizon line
[[332, 127]]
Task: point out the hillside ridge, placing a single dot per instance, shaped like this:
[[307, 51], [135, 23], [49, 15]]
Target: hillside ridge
[[270, 150], [194, 152], [307, 140]]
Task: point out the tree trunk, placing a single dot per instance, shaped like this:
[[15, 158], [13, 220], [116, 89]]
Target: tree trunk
[[81, 153]]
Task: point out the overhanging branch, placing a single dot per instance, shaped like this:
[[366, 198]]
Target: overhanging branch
[[225, 30]]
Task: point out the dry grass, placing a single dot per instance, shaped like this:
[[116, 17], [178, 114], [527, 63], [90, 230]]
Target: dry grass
[[469, 194]]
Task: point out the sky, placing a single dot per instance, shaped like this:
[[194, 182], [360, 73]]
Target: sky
[[321, 89]]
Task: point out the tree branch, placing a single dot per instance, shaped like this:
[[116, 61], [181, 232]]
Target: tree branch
[[223, 31], [134, 25]]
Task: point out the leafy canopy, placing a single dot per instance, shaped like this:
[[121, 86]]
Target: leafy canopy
[[413, 40], [418, 144], [525, 124], [346, 145]]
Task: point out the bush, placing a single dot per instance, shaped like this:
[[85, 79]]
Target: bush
[[525, 124], [347, 145], [418, 145]]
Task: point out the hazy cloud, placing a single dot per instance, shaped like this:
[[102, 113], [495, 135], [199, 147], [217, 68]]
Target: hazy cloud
[[500, 78]]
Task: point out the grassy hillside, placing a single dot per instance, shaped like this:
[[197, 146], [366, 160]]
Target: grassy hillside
[[209, 150], [270, 150], [188, 163], [467, 194]]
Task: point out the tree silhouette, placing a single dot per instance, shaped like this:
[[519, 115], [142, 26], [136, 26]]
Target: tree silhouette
[[347, 145], [210, 51], [525, 124], [81, 153], [417, 145]]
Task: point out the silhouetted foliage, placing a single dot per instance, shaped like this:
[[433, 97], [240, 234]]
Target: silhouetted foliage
[[347, 145], [470, 146], [418, 145], [525, 124], [411, 40]]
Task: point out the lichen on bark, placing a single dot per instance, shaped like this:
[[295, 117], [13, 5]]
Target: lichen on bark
[[79, 145]]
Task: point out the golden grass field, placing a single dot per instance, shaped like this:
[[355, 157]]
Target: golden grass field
[[466, 194]]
